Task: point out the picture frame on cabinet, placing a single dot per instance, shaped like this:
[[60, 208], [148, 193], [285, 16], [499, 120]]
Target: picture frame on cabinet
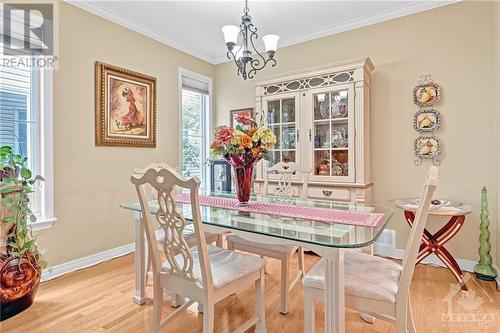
[[234, 113]]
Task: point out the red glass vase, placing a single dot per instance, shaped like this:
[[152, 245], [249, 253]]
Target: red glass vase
[[243, 174]]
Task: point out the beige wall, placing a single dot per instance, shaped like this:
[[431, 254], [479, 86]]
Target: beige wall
[[455, 44], [497, 113], [91, 181]]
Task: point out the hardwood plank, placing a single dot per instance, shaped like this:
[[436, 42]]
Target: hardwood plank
[[99, 299]]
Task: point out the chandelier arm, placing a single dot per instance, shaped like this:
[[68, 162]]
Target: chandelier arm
[[239, 64], [252, 37]]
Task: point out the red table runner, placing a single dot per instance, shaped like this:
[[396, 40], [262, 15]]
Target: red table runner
[[330, 215]]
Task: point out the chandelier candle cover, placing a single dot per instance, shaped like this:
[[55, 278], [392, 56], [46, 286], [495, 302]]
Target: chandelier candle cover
[[242, 54], [242, 147]]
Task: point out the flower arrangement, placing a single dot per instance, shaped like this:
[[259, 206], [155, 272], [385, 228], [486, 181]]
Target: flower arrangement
[[242, 147], [248, 138]]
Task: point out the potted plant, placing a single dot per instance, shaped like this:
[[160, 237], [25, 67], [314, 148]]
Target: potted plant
[[21, 262]]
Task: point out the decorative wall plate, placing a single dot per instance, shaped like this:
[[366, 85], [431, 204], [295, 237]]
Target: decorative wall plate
[[426, 121], [427, 147], [426, 94]]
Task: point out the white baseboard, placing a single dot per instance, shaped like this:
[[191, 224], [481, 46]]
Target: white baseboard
[[77, 264], [432, 259]]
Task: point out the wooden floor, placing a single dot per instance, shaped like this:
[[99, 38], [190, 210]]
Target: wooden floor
[[99, 299]]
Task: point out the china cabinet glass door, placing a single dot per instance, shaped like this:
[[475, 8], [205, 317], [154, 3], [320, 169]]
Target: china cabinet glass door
[[282, 118], [332, 133]]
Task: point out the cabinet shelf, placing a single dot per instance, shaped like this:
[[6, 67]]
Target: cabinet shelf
[[292, 123], [333, 120], [343, 148]]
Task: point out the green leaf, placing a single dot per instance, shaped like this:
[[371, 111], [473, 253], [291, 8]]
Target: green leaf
[[14, 245], [25, 173], [28, 244], [15, 208], [7, 190], [18, 159], [9, 219], [7, 201]]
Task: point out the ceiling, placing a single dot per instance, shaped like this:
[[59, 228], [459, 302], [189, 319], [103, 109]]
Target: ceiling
[[194, 26]]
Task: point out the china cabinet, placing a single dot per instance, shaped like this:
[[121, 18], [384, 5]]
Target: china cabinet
[[321, 118]]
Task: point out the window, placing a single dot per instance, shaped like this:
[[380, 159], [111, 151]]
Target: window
[[195, 93], [26, 125]]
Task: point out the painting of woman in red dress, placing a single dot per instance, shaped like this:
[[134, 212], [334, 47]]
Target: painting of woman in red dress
[[133, 117], [128, 104]]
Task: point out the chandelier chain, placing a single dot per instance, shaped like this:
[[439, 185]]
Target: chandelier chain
[[246, 7]]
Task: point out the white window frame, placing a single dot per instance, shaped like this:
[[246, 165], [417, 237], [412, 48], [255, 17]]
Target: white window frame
[[44, 151], [207, 130]]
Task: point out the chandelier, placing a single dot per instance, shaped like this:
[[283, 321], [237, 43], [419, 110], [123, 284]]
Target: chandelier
[[246, 57]]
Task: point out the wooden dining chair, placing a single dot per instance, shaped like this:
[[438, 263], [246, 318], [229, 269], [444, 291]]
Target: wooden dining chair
[[203, 273], [284, 253], [188, 231], [376, 286]]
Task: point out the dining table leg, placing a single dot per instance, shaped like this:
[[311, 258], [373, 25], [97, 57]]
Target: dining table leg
[[334, 291], [139, 258]]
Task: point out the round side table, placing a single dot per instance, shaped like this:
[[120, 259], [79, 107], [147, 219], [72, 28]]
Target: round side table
[[434, 243]]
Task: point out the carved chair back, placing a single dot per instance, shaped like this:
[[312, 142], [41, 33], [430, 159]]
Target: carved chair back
[[138, 172], [179, 257], [416, 232], [286, 172]]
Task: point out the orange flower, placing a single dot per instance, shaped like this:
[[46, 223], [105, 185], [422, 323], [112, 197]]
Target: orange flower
[[215, 145], [245, 142], [256, 151], [252, 131]]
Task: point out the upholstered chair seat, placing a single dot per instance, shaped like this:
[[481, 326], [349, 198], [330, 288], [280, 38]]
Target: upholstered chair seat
[[365, 276], [227, 266], [265, 247]]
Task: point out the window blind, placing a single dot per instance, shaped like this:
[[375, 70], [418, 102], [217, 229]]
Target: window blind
[[194, 85], [15, 120]]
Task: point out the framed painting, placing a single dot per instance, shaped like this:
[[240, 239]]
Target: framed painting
[[125, 110], [234, 113]]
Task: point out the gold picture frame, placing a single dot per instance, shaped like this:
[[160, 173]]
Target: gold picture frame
[[125, 107]]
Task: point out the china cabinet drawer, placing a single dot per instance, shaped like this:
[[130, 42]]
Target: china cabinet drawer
[[328, 193]]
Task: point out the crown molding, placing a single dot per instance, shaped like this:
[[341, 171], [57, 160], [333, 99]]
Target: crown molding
[[112, 16], [403, 10]]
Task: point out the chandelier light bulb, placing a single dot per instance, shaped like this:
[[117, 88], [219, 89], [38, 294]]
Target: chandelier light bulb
[[230, 35], [271, 43]]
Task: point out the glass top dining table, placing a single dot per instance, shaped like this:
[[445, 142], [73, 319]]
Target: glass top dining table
[[327, 239], [312, 232]]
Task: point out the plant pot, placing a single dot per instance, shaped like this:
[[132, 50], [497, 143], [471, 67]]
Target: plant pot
[[19, 278]]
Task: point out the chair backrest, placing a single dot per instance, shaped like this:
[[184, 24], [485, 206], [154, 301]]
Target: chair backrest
[[176, 250], [138, 172], [415, 238], [286, 172]]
